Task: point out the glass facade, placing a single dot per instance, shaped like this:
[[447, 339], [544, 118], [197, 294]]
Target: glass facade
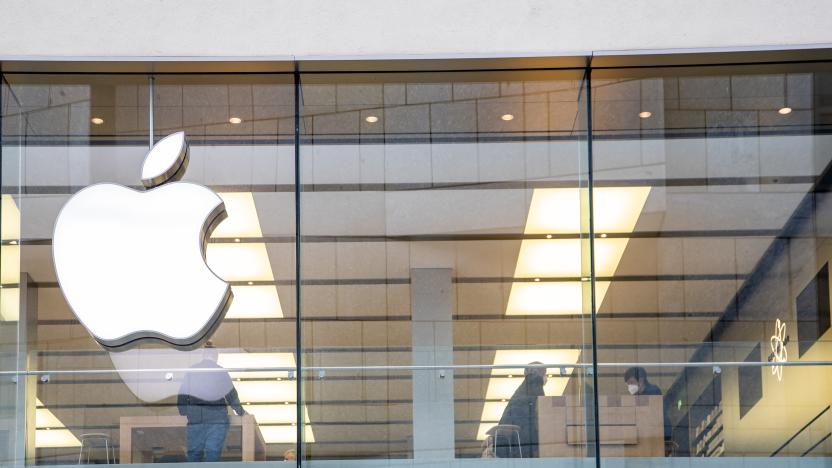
[[569, 267]]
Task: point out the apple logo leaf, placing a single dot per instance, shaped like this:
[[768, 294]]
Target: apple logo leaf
[[166, 161]]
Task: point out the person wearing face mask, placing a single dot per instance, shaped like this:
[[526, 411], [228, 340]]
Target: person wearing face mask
[[521, 411], [637, 384]]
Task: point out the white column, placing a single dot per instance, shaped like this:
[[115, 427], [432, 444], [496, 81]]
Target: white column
[[431, 299]]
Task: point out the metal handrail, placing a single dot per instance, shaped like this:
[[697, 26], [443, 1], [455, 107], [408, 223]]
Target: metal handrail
[[426, 368]]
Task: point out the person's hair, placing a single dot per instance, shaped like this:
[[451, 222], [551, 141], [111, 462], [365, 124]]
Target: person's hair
[[637, 373], [533, 370]]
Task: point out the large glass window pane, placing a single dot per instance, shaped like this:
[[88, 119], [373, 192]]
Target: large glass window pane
[[76, 131], [68, 132], [241, 129], [442, 268], [719, 294]]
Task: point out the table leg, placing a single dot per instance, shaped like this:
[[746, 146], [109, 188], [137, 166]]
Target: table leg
[[125, 444], [247, 429]]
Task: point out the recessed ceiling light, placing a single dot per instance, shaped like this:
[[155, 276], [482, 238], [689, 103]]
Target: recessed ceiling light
[[785, 110], [235, 120], [604, 236], [371, 119], [548, 236], [537, 280], [645, 114], [507, 117], [97, 120]]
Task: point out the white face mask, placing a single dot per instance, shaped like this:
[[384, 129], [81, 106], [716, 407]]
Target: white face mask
[[633, 389]]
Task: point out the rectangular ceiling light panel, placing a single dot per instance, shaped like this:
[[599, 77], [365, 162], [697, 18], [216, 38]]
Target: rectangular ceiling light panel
[[44, 418], [251, 302], [9, 259], [9, 304], [242, 220], [256, 361], [50, 432], [551, 298], [240, 262], [285, 434], [261, 391], [244, 261], [9, 219], [276, 414], [561, 258], [558, 211], [55, 438], [9, 264]]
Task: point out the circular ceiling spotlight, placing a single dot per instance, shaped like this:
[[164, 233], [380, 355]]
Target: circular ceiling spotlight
[[507, 117], [97, 120], [235, 120], [371, 119], [645, 114], [785, 110]]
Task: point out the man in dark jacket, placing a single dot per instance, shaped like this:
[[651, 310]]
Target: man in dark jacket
[[204, 398], [637, 383], [521, 411]]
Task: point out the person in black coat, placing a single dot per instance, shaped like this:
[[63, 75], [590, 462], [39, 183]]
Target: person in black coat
[[521, 411]]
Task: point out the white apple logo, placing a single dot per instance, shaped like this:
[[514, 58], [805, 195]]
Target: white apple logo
[[131, 264]]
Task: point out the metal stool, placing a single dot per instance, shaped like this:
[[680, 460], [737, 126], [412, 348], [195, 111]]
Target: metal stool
[[88, 443], [510, 432]]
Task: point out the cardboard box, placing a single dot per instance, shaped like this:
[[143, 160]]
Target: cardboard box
[[630, 426]]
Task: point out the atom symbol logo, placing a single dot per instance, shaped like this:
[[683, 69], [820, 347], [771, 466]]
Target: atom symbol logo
[[778, 348]]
